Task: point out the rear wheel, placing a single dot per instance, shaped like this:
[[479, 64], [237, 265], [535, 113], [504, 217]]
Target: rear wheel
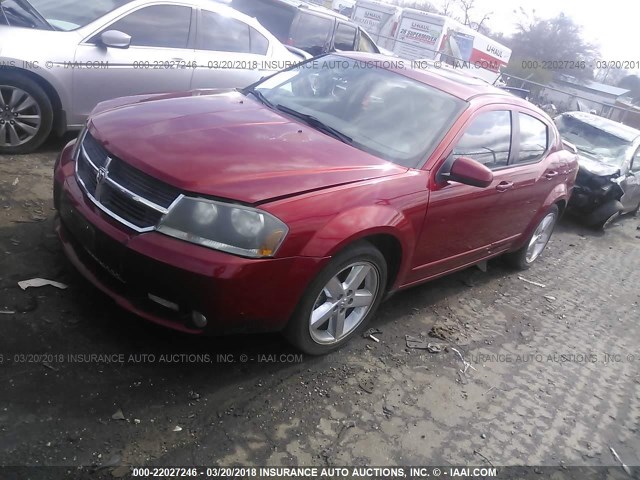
[[524, 258], [340, 301], [26, 114]]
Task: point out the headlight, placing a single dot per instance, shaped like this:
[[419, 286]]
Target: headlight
[[236, 229]]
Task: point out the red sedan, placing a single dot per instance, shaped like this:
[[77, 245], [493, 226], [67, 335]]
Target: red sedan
[[299, 203]]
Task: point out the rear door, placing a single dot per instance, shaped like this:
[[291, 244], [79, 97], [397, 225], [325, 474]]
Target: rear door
[[229, 53], [158, 59], [312, 33], [533, 172]]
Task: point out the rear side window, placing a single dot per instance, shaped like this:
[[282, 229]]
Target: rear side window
[[157, 26], [345, 37], [534, 138], [312, 33], [365, 44], [259, 43], [274, 16], [224, 34], [487, 140]]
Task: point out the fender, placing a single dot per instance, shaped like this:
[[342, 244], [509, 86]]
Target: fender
[[43, 75], [361, 222]]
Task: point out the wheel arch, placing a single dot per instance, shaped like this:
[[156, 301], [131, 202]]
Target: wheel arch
[[389, 230], [559, 197], [59, 118]]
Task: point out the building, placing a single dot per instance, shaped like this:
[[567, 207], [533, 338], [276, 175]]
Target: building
[[584, 95]]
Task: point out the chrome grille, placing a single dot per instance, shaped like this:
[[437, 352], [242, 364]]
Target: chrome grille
[[130, 196]]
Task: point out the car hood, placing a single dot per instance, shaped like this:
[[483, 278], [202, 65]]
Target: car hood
[[223, 144], [597, 168]]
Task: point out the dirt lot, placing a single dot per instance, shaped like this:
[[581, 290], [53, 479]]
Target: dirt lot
[[553, 373]]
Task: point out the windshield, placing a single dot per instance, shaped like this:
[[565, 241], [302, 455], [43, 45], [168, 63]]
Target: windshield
[[375, 110], [60, 14], [593, 142]]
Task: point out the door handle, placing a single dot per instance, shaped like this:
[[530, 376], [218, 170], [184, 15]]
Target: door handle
[[504, 186], [550, 175]]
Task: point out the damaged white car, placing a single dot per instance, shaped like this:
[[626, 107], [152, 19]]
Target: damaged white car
[[608, 183]]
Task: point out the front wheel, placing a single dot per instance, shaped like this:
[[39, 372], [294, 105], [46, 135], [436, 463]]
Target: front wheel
[[524, 258], [602, 217], [340, 300], [26, 114]]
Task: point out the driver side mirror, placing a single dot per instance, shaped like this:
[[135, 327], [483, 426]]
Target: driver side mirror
[[469, 172], [115, 39]]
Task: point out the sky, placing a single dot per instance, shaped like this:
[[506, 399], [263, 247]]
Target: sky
[[614, 25]]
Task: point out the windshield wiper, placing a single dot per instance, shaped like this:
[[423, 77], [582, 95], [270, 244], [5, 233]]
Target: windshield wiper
[[260, 96], [317, 124]]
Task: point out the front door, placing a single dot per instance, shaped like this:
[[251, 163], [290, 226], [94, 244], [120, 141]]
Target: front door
[[157, 60], [462, 222]]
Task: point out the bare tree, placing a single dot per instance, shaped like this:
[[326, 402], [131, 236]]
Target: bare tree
[[447, 8], [466, 6]]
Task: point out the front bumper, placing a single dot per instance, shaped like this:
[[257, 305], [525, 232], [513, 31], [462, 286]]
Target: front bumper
[[235, 294]]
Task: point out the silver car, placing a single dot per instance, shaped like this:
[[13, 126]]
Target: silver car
[[59, 58], [608, 183]]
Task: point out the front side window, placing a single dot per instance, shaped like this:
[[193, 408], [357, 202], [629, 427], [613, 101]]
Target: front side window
[[312, 33], [165, 26], [487, 140], [345, 37], [375, 110], [533, 139], [224, 34]]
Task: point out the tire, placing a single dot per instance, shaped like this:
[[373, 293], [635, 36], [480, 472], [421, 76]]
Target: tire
[[22, 96], [604, 215], [521, 259], [359, 258]]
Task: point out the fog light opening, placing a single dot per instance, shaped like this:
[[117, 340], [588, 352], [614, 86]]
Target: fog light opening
[[198, 319]]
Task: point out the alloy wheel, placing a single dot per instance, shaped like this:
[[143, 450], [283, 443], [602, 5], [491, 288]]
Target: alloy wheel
[[20, 116], [344, 302], [541, 237]]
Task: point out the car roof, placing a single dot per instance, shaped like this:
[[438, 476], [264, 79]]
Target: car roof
[[458, 84], [302, 4], [611, 127]]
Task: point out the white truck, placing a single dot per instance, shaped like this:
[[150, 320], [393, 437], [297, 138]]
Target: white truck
[[417, 35], [380, 20]]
